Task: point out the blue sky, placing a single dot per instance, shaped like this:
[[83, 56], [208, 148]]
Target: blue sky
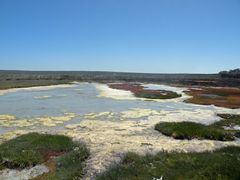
[[156, 36]]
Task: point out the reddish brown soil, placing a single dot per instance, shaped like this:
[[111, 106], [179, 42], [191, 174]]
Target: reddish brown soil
[[222, 97], [134, 88], [139, 91], [51, 154]]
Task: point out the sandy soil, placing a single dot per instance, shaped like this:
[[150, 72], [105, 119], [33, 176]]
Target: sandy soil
[[37, 88]]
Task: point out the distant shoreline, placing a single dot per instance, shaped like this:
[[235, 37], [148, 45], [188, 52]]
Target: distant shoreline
[[46, 87], [22, 79]]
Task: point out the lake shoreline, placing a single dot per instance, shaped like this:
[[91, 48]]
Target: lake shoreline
[[42, 87]]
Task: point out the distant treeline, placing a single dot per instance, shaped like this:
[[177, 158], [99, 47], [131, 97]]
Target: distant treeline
[[15, 79], [96, 76], [230, 74]]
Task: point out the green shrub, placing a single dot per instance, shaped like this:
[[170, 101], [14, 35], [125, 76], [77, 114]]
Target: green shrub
[[156, 94], [31, 149]]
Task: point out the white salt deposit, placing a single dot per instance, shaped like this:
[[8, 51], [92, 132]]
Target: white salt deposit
[[37, 88], [107, 92], [25, 174]]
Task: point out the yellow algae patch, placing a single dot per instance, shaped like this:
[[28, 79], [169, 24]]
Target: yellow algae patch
[[61, 118], [70, 114], [46, 121], [7, 117], [23, 123], [42, 97], [108, 140], [16, 123], [54, 120], [72, 126], [138, 113], [98, 115], [66, 117], [203, 116], [11, 121], [12, 134], [49, 124]]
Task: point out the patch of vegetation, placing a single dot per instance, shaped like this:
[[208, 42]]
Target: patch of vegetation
[[68, 166], [157, 94], [191, 130], [139, 91], [235, 73], [220, 164], [33, 148], [222, 97], [229, 120]]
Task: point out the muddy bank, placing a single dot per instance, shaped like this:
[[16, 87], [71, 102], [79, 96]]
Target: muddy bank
[[141, 91], [119, 94], [222, 97]]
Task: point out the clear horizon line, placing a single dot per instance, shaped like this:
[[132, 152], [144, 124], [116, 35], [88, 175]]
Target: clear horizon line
[[113, 71]]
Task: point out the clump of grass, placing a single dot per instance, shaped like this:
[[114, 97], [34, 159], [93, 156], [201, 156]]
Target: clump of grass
[[157, 94], [191, 130], [220, 164], [31, 149], [68, 166], [71, 165], [229, 120]]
